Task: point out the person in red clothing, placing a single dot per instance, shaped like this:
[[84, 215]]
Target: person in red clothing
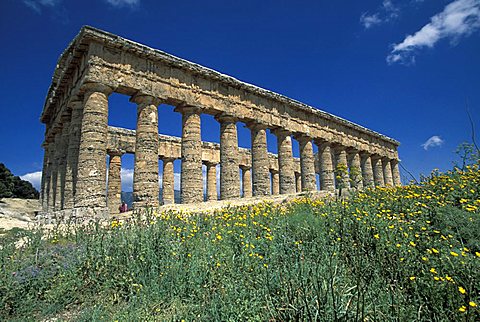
[[123, 207]]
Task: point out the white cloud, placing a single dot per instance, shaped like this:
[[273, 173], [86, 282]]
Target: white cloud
[[388, 11], [35, 178], [37, 5], [432, 142], [123, 3], [369, 21], [459, 18]]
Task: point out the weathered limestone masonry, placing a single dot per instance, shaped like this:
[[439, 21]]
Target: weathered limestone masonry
[[78, 141]]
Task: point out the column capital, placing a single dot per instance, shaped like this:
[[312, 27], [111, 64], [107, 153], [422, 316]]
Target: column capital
[[244, 167], [168, 159], [302, 137], [188, 109], [115, 152], [226, 118], [142, 98], [364, 154], [75, 102], [375, 156], [322, 143], [273, 171], [337, 147], [88, 88], [254, 125], [281, 132], [210, 163]]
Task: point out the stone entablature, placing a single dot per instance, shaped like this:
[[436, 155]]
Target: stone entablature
[[78, 138]]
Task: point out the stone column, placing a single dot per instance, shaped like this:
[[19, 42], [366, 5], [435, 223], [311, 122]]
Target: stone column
[[211, 181], [72, 154], [260, 163], [145, 175], [168, 182], [62, 164], [367, 170], [356, 180], [229, 170], [307, 164], [275, 183], [191, 178], [91, 180], [43, 195], [327, 174], [48, 194], [341, 167], [285, 162], [395, 173], [377, 171], [247, 182], [55, 176], [114, 195], [298, 182], [387, 172]]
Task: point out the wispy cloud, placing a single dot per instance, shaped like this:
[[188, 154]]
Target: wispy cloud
[[458, 19], [38, 5], [35, 178], [388, 11], [432, 142], [123, 3]]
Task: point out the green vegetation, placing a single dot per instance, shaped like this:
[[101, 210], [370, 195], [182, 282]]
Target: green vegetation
[[13, 187], [385, 254]]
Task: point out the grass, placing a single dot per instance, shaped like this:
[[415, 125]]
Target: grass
[[405, 253]]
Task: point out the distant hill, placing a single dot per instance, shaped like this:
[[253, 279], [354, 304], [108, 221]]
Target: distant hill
[[13, 187]]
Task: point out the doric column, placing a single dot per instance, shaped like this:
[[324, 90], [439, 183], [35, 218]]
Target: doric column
[[367, 170], [354, 164], [285, 162], [260, 163], [91, 181], [145, 175], [275, 182], [114, 196], [72, 154], [211, 181], [229, 170], [191, 182], [395, 173], [48, 187], [43, 194], [387, 172], [168, 182], [62, 162], [298, 182], [55, 175], [307, 164], [377, 171], [247, 182], [327, 174], [341, 167]]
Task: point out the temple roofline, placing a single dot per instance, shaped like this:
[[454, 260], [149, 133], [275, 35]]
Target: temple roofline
[[87, 34]]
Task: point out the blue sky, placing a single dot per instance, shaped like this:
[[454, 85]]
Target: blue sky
[[402, 68]]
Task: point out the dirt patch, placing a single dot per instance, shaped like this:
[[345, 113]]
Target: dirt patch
[[16, 212]]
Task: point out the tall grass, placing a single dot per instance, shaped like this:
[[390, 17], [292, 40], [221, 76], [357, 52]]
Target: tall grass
[[407, 253]]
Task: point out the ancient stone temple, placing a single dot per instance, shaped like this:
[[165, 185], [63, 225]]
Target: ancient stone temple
[[81, 149]]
